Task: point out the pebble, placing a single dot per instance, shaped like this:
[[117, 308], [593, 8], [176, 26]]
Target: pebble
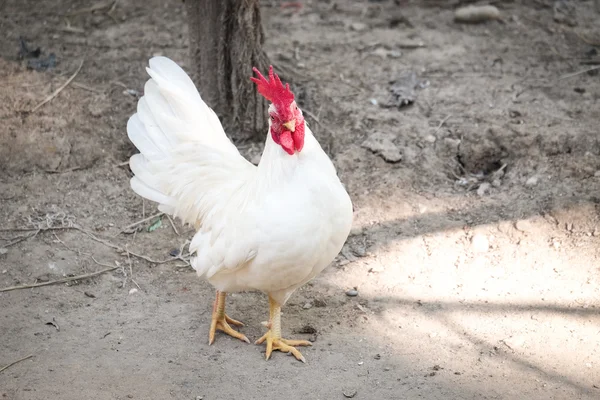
[[483, 189], [349, 393], [524, 225], [3, 250], [320, 303], [430, 138], [476, 14], [514, 342], [358, 26], [382, 144], [352, 293], [308, 305], [357, 230], [597, 174], [531, 181]]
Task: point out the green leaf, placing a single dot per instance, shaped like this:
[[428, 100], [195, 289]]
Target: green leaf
[[155, 225]]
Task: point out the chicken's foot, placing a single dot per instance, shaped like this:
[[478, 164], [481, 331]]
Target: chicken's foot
[[273, 335], [220, 321]]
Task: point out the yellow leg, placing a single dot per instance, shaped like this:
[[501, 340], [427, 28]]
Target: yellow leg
[[220, 321], [273, 335]]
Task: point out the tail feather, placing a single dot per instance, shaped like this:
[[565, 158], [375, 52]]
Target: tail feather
[[147, 192], [175, 132], [137, 135]]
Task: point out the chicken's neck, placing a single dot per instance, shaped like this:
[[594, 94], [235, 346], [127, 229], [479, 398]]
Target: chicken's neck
[[278, 167]]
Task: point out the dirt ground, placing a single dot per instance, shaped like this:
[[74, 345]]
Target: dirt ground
[[475, 257]]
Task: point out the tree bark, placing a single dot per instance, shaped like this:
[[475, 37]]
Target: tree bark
[[226, 38]]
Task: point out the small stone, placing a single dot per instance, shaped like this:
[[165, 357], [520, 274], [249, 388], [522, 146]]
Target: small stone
[[3, 251], [133, 291], [199, 397], [496, 183], [524, 225], [320, 303], [597, 174], [430, 138], [349, 393], [476, 14], [382, 144], [531, 181], [377, 356], [514, 342], [308, 305], [357, 231], [352, 293], [483, 189], [480, 243], [359, 26]]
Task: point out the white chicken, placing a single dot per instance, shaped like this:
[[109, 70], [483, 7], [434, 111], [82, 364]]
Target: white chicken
[[271, 227]]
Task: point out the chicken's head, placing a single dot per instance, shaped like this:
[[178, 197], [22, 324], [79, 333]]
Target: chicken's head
[[286, 121]]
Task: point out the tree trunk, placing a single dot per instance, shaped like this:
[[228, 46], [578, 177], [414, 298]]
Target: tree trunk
[[226, 38]]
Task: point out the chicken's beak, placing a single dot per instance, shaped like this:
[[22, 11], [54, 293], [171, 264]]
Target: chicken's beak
[[290, 125]]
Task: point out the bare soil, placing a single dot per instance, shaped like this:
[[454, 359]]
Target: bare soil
[[475, 257]]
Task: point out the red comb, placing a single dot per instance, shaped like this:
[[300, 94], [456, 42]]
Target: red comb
[[272, 89]]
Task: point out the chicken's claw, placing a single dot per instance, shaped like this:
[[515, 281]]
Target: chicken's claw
[[220, 321], [223, 326], [283, 345]]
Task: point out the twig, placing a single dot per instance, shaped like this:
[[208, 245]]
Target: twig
[[19, 239], [579, 72], [79, 253], [585, 39], [57, 91], [172, 225], [96, 7], [35, 231], [131, 269], [441, 124], [72, 169], [85, 87], [160, 214], [71, 278], [121, 164], [15, 362]]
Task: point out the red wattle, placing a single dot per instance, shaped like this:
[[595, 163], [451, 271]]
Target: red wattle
[[298, 137], [286, 142]]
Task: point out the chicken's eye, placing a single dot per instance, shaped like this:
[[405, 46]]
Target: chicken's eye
[[272, 118]]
